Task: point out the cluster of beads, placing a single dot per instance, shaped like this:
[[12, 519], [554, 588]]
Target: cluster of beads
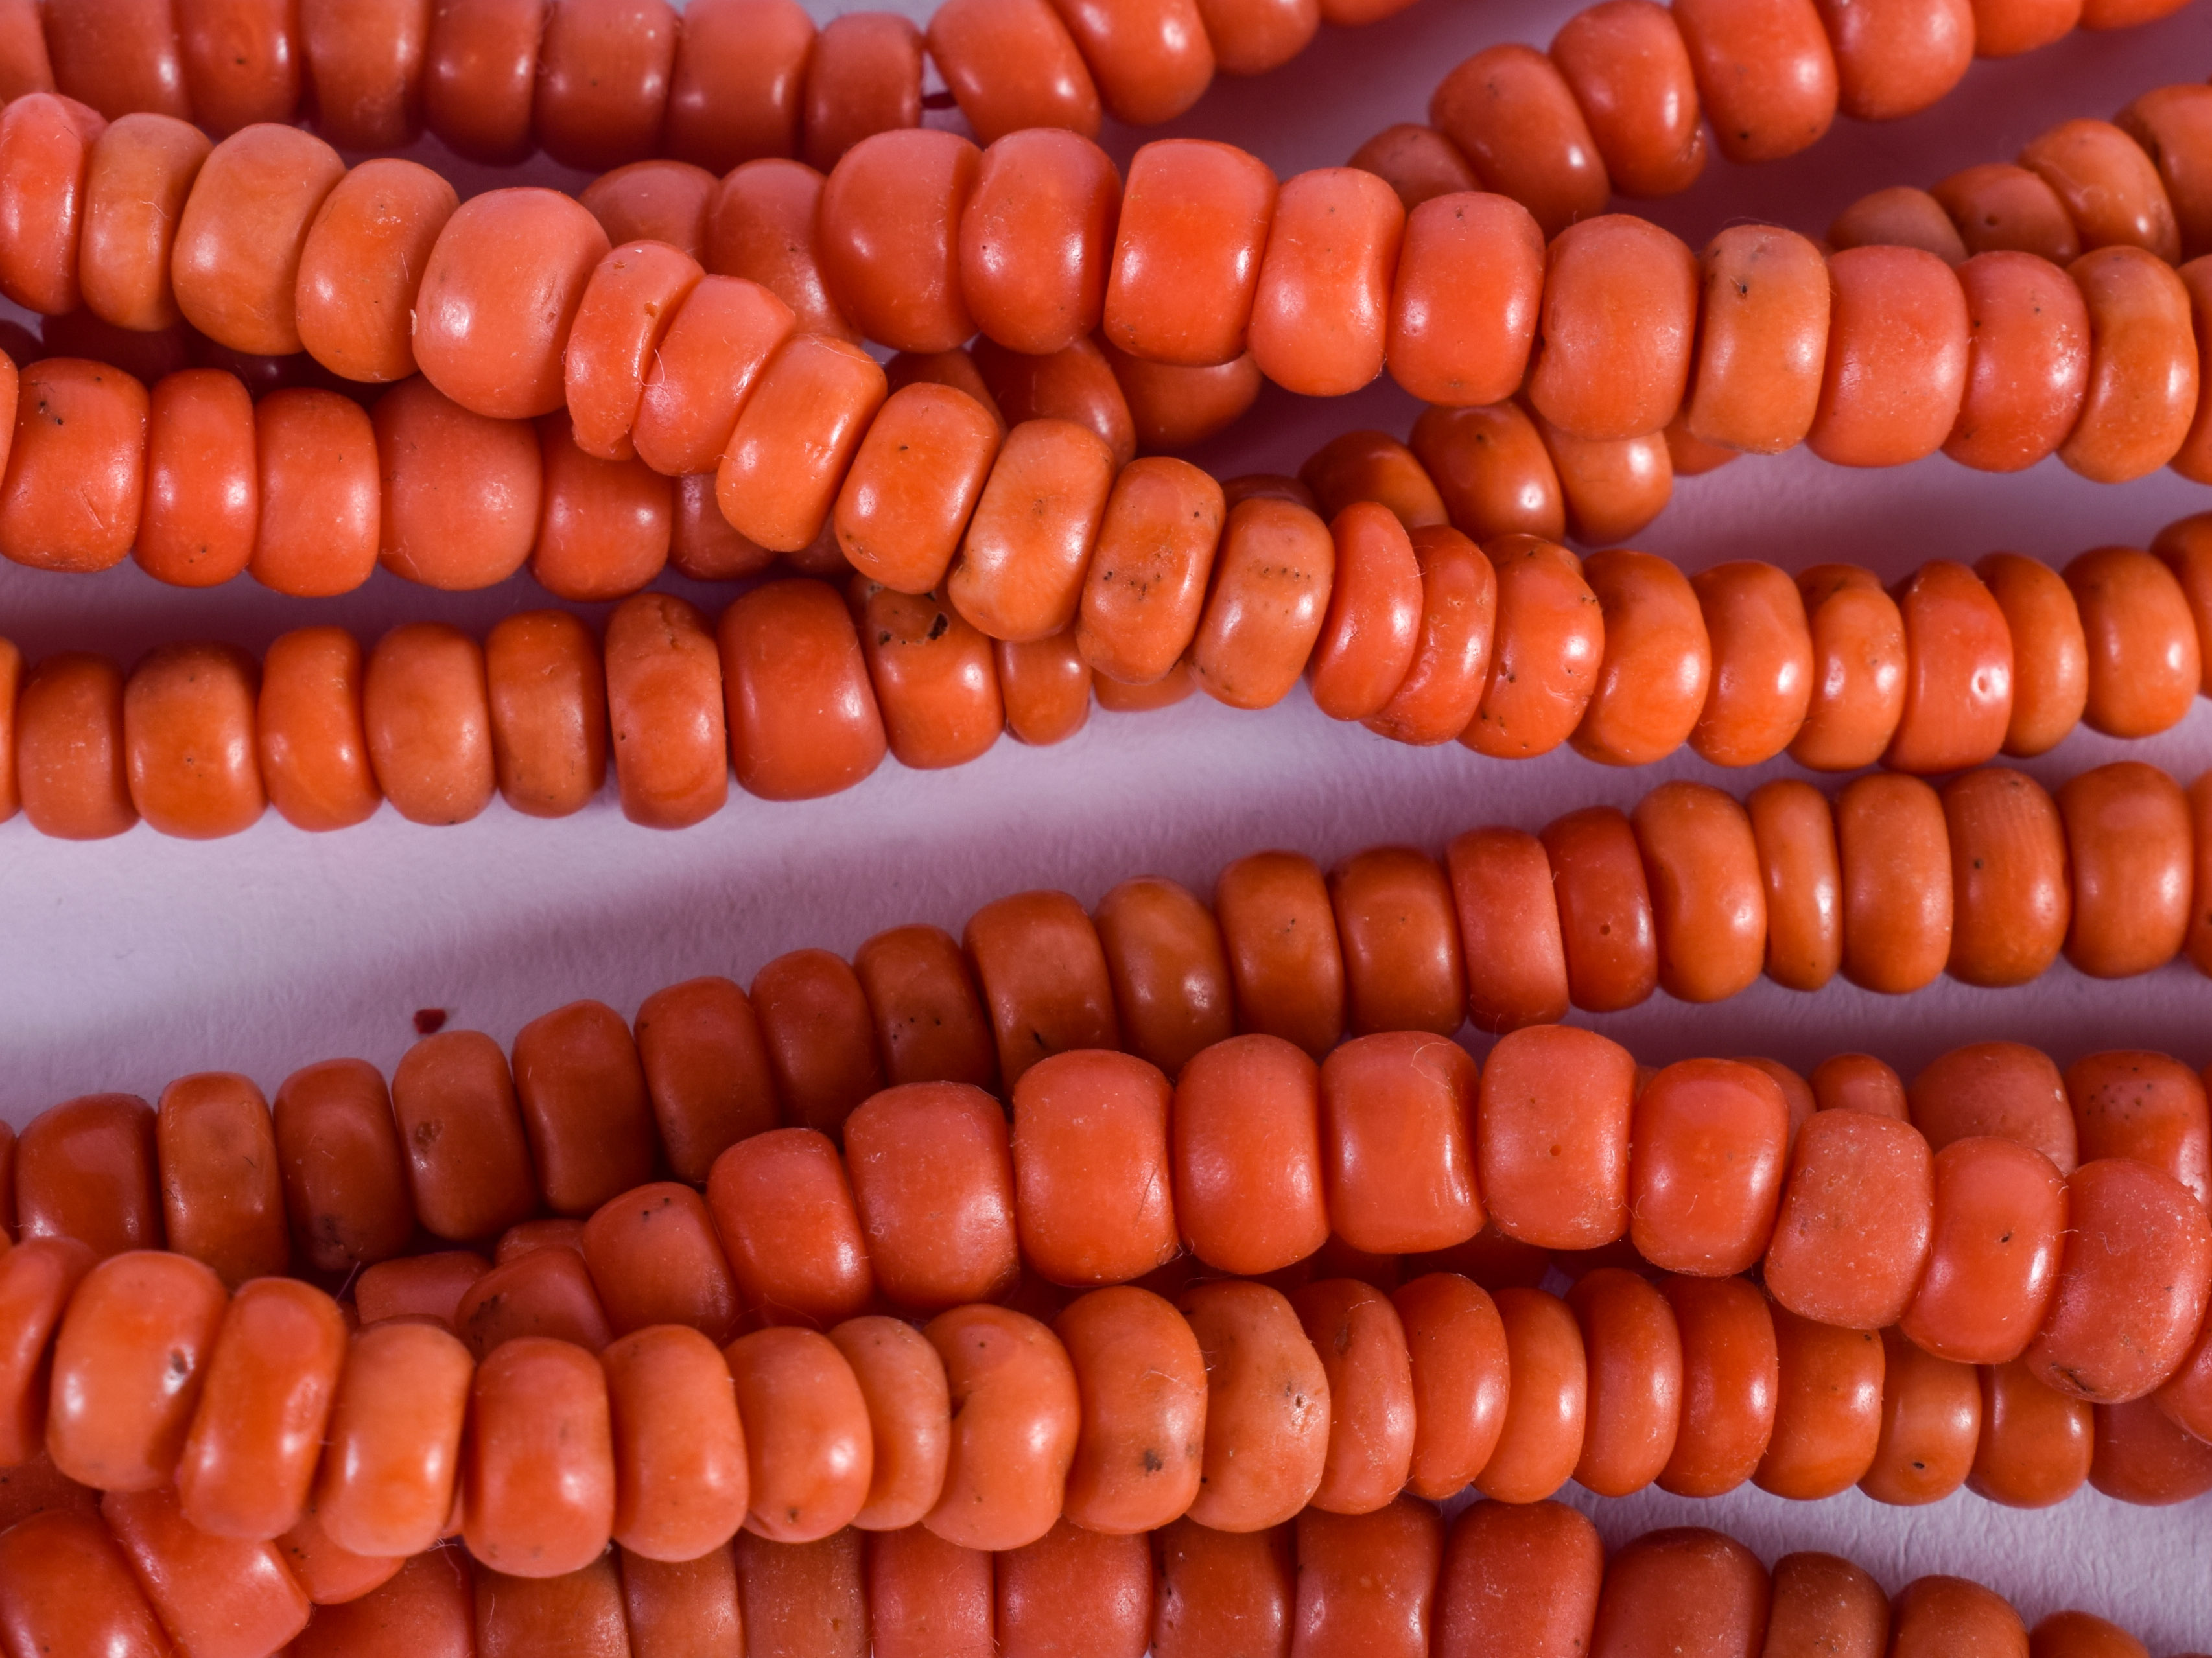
[[574, 1392]]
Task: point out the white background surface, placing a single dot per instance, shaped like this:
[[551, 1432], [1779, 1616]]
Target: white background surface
[[127, 963]]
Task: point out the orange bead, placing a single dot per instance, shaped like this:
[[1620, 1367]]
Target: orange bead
[[1651, 684], [1612, 486], [655, 1260], [1551, 639], [2002, 1089], [1897, 358], [633, 295], [1706, 1145], [1020, 576], [915, 481], [2142, 396], [804, 1597], [2050, 665], [71, 752], [1541, 1438], [426, 712], [1860, 1082], [1457, 1347], [480, 71], [1629, 72], [250, 1455], [1015, 1417], [460, 493], [240, 237], [1188, 254], [189, 741], [1371, 633], [975, 43], [1900, 216], [2144, 1106], [1285, 961], [736, 88], [1852, 1237], [1217, 1589], [1397, 1114], [653, 201], [1514, 116], [1730, 1375], [1931, 1420], [2140, 1458], [926, 1595], [1035, 237], [932, 676], [806, 1433], [468, 1164], [386, 1488], [2011, 896], [37, 1279], [1827, 1413], [1998, 1215], [1090, 1141], [545, 687], [1896, 862], [802, 719], [680, 1475], [933, 1183], [343, 1174], [1492, 470], [2001, 208], [1170, 978], [1268, 1405], [139, 173], [129, 1364], [1824, 1605], [1709, 910], [814, 1023], [1142, 1383], [1274, 575], [1894, 61], [1418, 162], [1509, 929], [1682, 1591], [2125, 1309], [1361, 1343], [665, 705], [538, 1469], [1147, 575], [2110, 187], [603, 80], [499, 293], [1519, 1579], [426, 1289], [1760, 686], [1245, 1140], [1635, 1357], [864, 77], [1553, 1136], [47, 142], [1794, 832], [319, 527], [604, 529], [216, 1595], [75, 469], [1323, 300], [1860, 669], [709, 363], [545, 1291], [1620, 300], [1437, 698], [1401, 955], [1464, 304], [202, 494], [2036, 1445], [88, 1170], [888, 234], [2129, 843], [221, 1192], [929, 1017], [365, 64], [783, 1209], [902, 1382], [2145, 663], [1045, 979], [2027, 363], [1604, 909]]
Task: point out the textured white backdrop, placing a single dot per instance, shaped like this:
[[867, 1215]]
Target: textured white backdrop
[[127, 963]]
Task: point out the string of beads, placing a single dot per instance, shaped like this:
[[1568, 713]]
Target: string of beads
[[1400, 1583], [600, 83]]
